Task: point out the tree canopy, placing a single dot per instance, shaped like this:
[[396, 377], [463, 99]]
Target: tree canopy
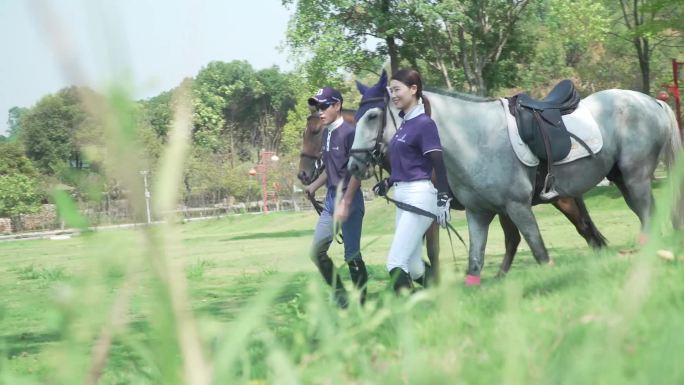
[[493, 47]]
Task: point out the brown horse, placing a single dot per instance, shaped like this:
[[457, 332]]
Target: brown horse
[[310, 163], [574, 209]]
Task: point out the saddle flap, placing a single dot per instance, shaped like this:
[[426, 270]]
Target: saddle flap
[[549, 123]]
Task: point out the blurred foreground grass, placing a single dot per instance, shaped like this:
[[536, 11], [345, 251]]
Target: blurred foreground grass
[[612, 317]]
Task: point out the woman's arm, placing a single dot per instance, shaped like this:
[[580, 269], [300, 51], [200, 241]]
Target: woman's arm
[[440, 172], [443, 191]]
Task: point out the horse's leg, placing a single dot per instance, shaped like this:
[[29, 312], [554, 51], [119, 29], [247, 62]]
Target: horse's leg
[[521, 214], [638, 196], [432, 246], [512, 240], [478, 228], [575, 210]]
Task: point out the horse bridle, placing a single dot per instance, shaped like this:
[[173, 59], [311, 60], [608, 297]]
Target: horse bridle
[[375, 154], [317, 163]]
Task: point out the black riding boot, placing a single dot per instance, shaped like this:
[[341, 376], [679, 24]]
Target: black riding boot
[[327, 269], [400, 279], [359, 276]]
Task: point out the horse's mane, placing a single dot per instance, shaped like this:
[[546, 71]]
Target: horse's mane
[[461, 95]]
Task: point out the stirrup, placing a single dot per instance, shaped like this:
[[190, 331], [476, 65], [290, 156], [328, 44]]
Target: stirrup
[[548, 191]]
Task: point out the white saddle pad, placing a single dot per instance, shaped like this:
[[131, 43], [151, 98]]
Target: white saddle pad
[[580, 123]]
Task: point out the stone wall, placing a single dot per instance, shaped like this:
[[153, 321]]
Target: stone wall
[[6, 226], [45, 219]]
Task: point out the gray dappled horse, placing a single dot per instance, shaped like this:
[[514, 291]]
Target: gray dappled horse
[[486, 177]]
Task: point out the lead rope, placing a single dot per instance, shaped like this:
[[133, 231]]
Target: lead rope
[[417, 210]]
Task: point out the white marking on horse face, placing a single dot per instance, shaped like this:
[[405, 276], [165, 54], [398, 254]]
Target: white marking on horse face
[[367, 129], [366, 133]]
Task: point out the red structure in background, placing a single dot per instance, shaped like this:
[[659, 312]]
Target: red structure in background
[[673, 89], [262, 168]]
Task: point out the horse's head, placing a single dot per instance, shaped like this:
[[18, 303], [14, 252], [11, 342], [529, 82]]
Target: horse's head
[[370, 139], [310, 165]]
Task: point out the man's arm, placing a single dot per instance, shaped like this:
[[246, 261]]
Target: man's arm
[[352, 187], [342, 211]]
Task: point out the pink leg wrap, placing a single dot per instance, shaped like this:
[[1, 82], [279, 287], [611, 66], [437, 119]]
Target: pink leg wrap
[[472, 280]]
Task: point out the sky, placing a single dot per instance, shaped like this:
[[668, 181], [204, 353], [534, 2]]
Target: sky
[[152, 44]]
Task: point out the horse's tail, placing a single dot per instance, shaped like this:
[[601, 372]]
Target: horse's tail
[[673, 155], [673, 148]]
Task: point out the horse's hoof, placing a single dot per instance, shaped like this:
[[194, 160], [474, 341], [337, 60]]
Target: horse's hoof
[[472, 280], [501, 274]]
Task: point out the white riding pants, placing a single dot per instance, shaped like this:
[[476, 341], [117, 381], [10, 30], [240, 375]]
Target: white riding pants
[[407, 245]]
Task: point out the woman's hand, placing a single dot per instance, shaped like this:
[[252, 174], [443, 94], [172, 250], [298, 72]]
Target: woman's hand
[[443, 209], [381, 188]]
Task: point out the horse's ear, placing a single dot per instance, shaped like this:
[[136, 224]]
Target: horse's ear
[[383, 78], [361, 87]]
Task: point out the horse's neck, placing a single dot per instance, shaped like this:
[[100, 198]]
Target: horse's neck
[[469, 117]]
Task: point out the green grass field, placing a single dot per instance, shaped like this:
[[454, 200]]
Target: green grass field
[[263, 315]]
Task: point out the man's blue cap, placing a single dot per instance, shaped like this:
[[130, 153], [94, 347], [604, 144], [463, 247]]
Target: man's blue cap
[[326, 95]]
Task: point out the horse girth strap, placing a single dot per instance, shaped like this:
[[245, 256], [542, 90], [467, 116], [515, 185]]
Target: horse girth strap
[[417, 210]]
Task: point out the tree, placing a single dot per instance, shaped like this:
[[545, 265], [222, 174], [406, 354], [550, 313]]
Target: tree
[[18, 195], [239, 110], [340, 34], [564, 40], [458, 40], [481, 30], [19, 192], [648, 25], [294, 128], [13, 160], [222, 96], [272, 105], [157, 112], [48, 129], [14, 121]]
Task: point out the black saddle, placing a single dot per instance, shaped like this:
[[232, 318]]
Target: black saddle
[[562, 97], [539, 121]]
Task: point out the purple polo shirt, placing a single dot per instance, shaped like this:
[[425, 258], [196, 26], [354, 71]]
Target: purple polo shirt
[[409, 147], [337, 138]]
